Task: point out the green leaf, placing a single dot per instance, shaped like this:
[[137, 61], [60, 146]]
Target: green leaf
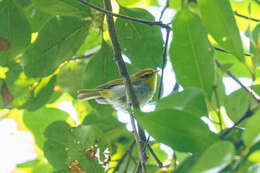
[[40, 94], [177, 129], [11, 18], [190, 100], [251, 134], [215, 158], [62, 7], [93, 40], [239, 97], [187, 164], [37, 121], [224, 29], [142, 44], [101, 68], [57, 42], [66, 145], [191, 53], [72, 71]]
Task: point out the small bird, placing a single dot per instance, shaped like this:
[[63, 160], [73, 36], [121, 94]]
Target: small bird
[[113, 92]]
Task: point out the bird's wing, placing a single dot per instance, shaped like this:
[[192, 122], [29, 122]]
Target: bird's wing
[[111, 83]]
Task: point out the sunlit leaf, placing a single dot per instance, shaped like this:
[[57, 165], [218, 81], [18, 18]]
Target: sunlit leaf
[[251, 134], [224, 29], [191, 53], [53, 47], [190, 100], [142, 44], [215, 158], [177, 129], [37, 121], [69, 147]]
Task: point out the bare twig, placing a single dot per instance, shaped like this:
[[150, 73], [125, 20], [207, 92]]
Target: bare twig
[[131, 96], [164, 9], [222, 50], [247, 115], [249, 90], [154, 155], [109, 13], [129, 150], [246, 17], [164, 61]]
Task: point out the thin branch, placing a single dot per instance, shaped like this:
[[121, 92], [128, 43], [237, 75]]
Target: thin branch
[[164, 61], [222, 50], [247, 115], [130, 93], [154, 155], [249, 90], [129, 150], [164, 9], [109, 13], [246, 17]]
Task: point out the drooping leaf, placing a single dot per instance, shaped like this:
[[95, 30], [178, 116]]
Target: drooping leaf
[[142, 44], [191, 53], [13, 40], [101, 68], [177, 129], [190, 100], [215, 158], [224, 29], [53, 47], [67, 147], [37, 122]]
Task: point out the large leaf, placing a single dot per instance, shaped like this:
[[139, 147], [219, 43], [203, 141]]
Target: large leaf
[[37, 121], [142, 44], [241, 98], [251, 134], [191, 53], [57, 42], [13, 39], [190, 100], [181, 130], [67, 146], [218, 17], [215, 158], [255, 44], [101, 68]]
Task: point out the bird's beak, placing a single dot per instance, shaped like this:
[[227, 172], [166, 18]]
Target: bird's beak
[[156, 71]]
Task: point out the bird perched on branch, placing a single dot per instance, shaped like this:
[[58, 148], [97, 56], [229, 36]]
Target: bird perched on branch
[[113, 92]]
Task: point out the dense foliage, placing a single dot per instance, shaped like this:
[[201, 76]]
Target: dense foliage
[[49, 49]]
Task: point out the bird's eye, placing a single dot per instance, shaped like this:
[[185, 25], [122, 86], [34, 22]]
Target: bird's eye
[[147, 75]]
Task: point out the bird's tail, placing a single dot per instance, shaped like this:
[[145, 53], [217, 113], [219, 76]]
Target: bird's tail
[[89, 94]]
